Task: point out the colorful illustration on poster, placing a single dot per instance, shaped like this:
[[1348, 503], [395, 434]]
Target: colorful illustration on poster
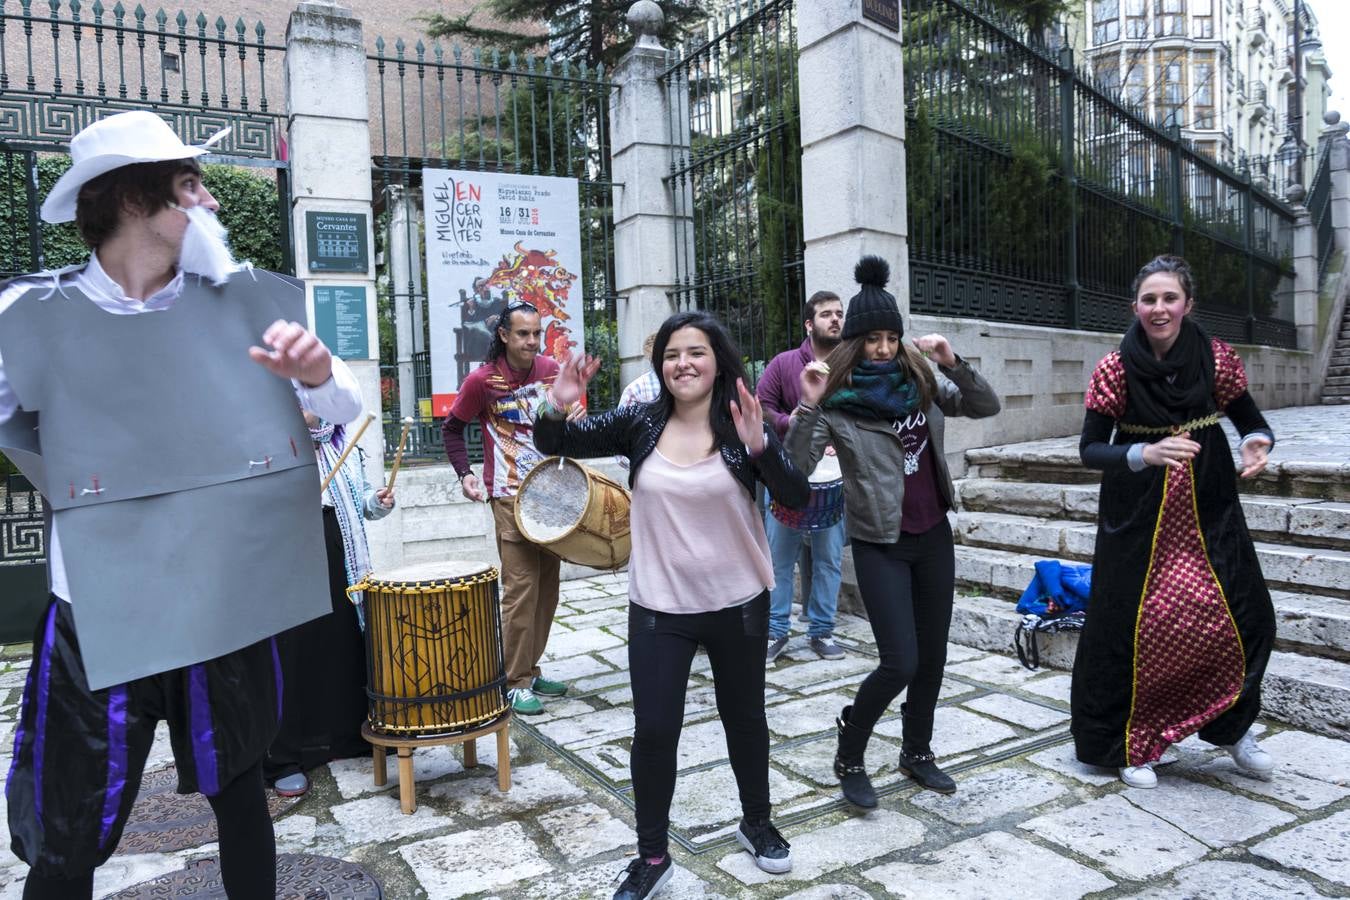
[[493, 240]]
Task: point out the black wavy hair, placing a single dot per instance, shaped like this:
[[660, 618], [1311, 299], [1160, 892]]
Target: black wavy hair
[[497, 349], [729, 368]]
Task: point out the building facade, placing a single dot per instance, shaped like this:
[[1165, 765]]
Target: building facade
[[1221, 70]]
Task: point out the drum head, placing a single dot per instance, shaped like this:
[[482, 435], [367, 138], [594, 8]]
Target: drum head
[[552, 500], [827, 470], [442, 570]]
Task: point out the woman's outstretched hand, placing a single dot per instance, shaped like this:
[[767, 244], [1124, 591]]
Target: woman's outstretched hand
[[575, 372], [749, 418], [812, 382], [938, 349], [1254, 456], [1174, 451]]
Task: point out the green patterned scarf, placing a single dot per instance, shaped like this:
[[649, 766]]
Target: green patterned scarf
[[876, 391]]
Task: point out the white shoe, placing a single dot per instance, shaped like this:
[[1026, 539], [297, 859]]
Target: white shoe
[[1139, 776], [1250, 758]]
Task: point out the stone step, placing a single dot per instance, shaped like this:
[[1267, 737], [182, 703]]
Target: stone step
[[1335, 400], [1056, 461], [1306, 691], [1312, 623], [1302, 520], [1316, 570], [1340, 381]]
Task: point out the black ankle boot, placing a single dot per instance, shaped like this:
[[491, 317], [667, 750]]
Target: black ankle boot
[[923, 768], [848, 762]]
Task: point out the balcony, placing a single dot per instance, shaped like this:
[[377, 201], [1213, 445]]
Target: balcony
[[1256, 27], [1256, 107]]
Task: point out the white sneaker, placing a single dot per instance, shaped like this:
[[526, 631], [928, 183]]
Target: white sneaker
[[1139, 776], [1250, 758]]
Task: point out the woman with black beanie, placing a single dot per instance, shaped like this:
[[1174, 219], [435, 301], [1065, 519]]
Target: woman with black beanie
[[882, 405]]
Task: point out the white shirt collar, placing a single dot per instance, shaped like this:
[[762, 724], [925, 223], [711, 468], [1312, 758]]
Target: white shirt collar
[[98, 285]]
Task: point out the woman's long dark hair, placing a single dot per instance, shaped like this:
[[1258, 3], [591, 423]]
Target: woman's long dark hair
[[844, 358], [729, 369]]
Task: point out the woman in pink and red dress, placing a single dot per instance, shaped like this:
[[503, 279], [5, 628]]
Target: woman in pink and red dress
[[1179, 623]]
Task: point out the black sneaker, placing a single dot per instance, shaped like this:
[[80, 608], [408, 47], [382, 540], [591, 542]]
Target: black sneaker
[[762, 841], [644, 879]]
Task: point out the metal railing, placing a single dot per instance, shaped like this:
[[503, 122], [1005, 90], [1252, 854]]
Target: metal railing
[[1319, 208], [488, 111], [1035, 195], [735, 175], [65, 64]]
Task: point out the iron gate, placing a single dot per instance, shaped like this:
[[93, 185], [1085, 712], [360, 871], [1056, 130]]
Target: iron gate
[[23, 557]]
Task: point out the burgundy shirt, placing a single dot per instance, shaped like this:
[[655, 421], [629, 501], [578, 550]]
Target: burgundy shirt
[[923, 506]]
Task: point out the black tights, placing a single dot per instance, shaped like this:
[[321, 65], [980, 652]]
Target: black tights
[[907, 589], [248, 849]]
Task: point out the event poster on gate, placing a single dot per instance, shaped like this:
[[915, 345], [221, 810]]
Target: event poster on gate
[[493, 239]]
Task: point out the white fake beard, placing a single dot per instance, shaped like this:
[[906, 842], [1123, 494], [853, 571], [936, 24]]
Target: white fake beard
[[205, 250]]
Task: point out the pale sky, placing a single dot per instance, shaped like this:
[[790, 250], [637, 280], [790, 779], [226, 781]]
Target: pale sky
[[1333, 20]]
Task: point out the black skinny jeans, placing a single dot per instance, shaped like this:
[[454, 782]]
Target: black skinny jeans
[[661, 649], [907, 589]]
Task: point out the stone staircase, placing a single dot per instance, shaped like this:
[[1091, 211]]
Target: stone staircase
[[1336, 386], [1026, 502]]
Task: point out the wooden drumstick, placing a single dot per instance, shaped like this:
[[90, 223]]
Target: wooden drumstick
[[351, 445], [398, 456]]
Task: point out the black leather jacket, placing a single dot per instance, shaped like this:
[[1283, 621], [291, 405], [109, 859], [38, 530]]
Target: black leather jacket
[[633, 431]]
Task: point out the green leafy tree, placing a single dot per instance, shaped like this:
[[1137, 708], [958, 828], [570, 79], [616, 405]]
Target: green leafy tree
[[593, 31]]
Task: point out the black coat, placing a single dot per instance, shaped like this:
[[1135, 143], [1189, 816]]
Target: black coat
[[633, 431]]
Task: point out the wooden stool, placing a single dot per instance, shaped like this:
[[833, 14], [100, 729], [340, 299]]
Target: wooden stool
[[405, 746]]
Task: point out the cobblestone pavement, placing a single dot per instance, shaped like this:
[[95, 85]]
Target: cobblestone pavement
[[1026, 821]]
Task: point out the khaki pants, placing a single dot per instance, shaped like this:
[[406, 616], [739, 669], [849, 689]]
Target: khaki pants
[[529, 596]]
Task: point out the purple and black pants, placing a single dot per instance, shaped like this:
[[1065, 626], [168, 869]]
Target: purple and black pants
[[79, 754]]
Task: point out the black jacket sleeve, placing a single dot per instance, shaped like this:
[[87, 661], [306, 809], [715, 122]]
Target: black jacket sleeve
[[1247, 419], [786, 483], [1095, 448], [606, 434]]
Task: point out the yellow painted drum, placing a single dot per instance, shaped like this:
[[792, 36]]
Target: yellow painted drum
[[576, 513], [434, 661]]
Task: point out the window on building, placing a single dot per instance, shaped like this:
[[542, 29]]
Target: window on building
[[1170, 78], [1204, 90], [1169, 17], [1105, 21], [1202, 18], [1136, 19], [1106, 70], [1136, 79]]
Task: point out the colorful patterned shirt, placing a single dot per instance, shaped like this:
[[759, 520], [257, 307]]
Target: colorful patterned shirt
[[505, 403]]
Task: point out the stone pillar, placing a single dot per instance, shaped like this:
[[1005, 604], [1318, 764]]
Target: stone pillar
[[1305, 278], [330, 165], [851, 85], [644, 123], [1339, 163], [405, 289]]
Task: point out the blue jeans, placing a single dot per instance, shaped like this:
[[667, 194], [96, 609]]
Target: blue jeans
[[820, 586]]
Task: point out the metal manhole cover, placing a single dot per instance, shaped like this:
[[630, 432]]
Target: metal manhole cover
[[299, 877], [163, 820]]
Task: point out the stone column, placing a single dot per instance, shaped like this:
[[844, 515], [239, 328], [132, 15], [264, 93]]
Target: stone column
[[1339, 163], [330, 164], [851, 85], [644, 123], [1305, 278], [405, 288]]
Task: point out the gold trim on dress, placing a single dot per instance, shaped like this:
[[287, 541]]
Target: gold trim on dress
[[1192, 425]]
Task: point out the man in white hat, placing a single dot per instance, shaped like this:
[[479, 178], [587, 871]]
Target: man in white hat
[[150, 395]]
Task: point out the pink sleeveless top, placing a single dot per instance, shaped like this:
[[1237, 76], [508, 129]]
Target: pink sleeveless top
[[698, 540]]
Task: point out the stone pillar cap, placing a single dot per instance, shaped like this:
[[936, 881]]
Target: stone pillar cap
[[646, 19]]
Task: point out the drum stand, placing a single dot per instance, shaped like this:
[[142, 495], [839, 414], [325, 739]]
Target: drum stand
[[407, 800]]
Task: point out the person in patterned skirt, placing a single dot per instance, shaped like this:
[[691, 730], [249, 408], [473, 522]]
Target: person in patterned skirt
[[1179, 623]]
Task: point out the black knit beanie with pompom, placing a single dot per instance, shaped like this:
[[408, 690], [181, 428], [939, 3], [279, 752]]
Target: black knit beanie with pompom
[[872, 308]]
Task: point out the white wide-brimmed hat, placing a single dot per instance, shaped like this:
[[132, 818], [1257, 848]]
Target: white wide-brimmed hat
[[130, 137]]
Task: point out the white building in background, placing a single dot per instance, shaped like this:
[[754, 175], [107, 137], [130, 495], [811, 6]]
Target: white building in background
[[1222, 70]]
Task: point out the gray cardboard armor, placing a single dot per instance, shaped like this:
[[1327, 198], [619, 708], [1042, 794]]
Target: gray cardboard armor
[[179, 471]]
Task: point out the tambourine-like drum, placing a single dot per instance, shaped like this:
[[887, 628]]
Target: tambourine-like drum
[[576, 513], [434, 661], [826, 506]]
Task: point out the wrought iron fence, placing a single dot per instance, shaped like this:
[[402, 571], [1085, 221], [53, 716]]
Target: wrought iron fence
[[66, 64], [488, 111], [736, 177], [1319, 207], [1035, 194]]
